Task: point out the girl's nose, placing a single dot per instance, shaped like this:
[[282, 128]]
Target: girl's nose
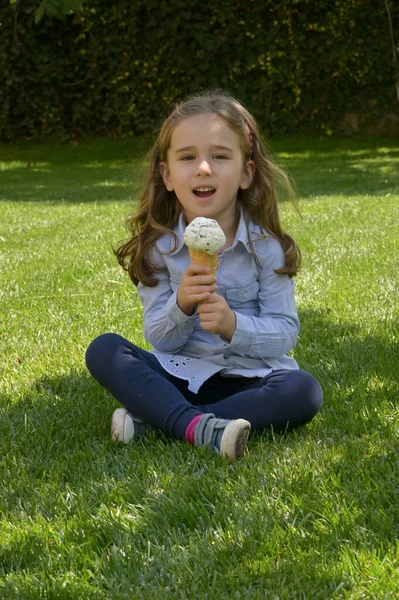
[[204, 168]]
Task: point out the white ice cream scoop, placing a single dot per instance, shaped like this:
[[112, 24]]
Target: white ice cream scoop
[[204, 235]]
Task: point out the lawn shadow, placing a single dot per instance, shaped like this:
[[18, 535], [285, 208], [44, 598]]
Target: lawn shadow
[[347, 357], [359, 375], [335, 166], [58, 434], [100, 170], [91, 171]]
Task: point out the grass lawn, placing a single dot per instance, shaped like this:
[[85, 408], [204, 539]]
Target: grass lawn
[[309, 515]]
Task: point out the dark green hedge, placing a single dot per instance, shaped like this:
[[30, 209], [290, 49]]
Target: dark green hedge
[[117, 67]]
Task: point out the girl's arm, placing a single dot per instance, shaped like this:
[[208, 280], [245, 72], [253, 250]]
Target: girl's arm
[[169, 310], [166, 327], [274, 331]]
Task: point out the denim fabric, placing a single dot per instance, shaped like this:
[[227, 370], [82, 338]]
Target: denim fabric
[[263, 301]]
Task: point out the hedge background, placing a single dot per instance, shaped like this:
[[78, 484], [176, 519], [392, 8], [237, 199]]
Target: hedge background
[[117, 67]]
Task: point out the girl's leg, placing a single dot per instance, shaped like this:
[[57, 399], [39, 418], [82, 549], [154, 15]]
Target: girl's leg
[[283, 400], [137, 380]]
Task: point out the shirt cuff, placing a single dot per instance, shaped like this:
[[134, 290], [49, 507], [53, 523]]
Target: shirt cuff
[[176, 315], [242, 338]]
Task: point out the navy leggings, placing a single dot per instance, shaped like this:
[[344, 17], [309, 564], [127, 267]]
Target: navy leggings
[[283, 399]]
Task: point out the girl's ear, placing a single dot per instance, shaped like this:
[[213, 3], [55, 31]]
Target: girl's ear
[[165, 172], [248, 172]]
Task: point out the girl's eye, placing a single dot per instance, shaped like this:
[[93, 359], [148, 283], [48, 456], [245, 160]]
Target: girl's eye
[[187, 157], [220, 156]]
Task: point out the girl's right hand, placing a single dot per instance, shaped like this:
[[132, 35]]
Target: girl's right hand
[[196, 286]]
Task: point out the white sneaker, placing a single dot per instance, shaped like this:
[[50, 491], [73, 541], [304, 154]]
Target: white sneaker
[[125, 427]]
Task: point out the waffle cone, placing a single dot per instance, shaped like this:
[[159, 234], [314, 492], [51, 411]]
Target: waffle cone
[[203, 258]]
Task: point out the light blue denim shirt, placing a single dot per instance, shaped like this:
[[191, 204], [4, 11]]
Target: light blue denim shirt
[[263, 301]]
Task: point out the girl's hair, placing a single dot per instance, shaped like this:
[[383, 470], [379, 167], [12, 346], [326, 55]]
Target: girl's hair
[[159, 209]]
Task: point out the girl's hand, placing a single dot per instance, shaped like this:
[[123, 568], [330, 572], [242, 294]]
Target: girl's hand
[[196, 286], [216, 316]]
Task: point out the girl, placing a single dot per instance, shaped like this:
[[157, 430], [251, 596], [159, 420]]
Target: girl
[[218, 365]]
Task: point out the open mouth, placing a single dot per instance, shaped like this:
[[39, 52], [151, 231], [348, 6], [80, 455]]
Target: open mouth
[[204, 192]]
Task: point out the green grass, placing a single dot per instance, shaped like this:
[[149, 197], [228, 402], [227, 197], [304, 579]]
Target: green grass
[[309, 515]]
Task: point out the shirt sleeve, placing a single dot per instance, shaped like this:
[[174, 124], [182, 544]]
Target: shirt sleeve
[[166, 327], [274, 331]]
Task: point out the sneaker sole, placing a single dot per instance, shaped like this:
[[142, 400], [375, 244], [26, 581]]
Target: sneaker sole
[[122, 426], [234, 440]]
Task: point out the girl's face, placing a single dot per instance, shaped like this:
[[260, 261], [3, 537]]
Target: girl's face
[[205, 168]]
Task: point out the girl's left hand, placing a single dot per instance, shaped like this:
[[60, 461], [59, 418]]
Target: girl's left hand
[[216, 316]]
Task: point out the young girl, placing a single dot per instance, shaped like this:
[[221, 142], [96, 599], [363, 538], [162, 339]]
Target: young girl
[[218, 365]]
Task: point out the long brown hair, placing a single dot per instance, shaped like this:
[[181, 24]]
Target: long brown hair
[[159, 209]]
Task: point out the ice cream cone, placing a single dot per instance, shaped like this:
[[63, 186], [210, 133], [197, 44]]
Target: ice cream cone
[[203, 258], [204, 238]]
